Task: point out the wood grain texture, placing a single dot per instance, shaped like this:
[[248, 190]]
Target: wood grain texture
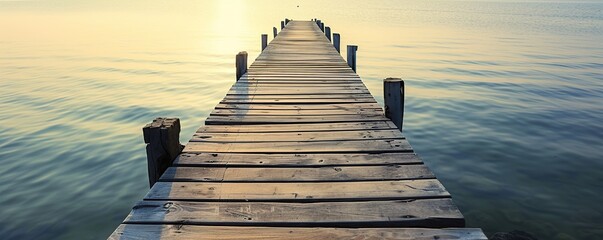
[[296, 112], [293, 160], [298, 192], [347, 106], [298, 136], [297, 96], [253, 119], [318, 174], [298, 101], [399, 213], [192, 232], [367, 146], [296, 127]]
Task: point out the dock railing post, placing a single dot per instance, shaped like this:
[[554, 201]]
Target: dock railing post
[[328, 33], [286, 21], [163, 145], [282, 25], [322, 27], [241, 64], [337, 42], [393, 99], [274, 32], [352, 56], [318, 21], [264, 41]]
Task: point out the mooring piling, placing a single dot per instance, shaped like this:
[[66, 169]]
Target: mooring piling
[[352, 56], [264, 41], [393, 99], [337, 42], [241, 64], [163, 145]]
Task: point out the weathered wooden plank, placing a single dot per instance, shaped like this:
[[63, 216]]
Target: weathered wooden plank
[[357, 111], [295, 109], [399, 213], [292, 79], [290, 64], [369, 146], [224, 120], [297, 136], [344, 111], [293, 160], [299, 97], [285, 83], [346, 106], [291, 91], [332, 78], [314, 127], [319, 174], [327, 68], [192, 232], [299, 70], [300, 119], [297, 192], [297, 101], [301, 76], [252, 118], [256, 88]]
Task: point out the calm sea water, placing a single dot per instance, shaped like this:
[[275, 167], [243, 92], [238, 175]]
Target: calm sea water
[[504, 101]]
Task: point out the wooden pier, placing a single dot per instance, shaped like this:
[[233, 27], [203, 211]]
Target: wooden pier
[[298, 149]]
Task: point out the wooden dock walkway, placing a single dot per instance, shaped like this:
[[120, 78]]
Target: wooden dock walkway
[[298, 149]]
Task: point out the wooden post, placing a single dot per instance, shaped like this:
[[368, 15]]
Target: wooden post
[[274, 32], [286, 21], [322, 27], [337, 42], [241, 63], [318, 21], [282, 25], [328, 33], [264, 41], [352, 56], [163, 145], [393, 98]]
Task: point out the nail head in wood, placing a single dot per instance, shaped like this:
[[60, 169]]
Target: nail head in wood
[[163, 145], [393, 99]]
